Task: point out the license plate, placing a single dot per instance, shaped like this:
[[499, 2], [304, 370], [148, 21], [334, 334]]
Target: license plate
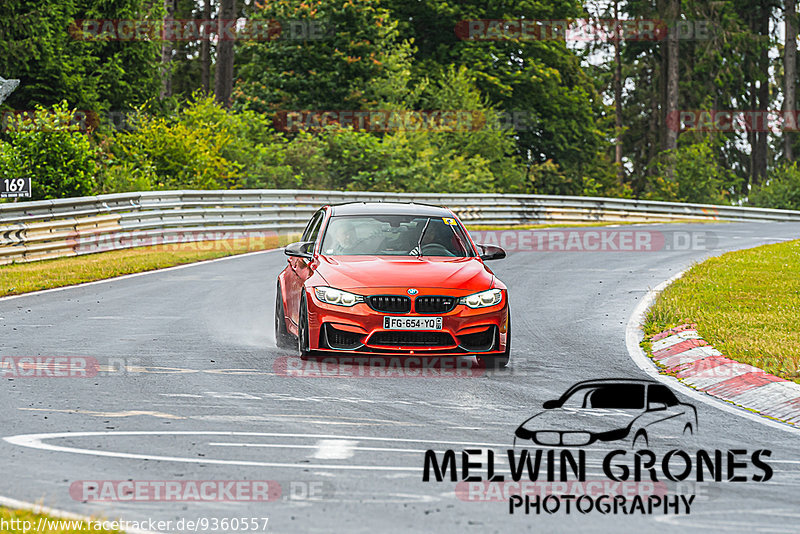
[[412, 323]]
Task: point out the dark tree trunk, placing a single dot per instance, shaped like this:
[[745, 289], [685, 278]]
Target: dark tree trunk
[[752, 135], [618, 100], [205, 51], [653, 128], [671, 134], [223, 84], [760, 152], [660, 69], [166, 54], [790, 78]]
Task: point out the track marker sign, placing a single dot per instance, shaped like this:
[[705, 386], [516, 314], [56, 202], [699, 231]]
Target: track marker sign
[[12, 187], [15, 187]]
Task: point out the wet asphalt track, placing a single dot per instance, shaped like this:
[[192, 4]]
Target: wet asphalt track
[[200, 354]]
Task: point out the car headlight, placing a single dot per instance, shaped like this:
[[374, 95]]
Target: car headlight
[[484, 299], [331, 295]]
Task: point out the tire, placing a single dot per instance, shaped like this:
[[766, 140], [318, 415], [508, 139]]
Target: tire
[[641, 437], [498, 361], [283, 339], [302, 331]]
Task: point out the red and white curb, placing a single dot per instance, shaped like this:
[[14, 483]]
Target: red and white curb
[[634, 335], [681, 352]]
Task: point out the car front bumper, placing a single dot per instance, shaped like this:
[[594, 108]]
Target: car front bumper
[[360, 329]]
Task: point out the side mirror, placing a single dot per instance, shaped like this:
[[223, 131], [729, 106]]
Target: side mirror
[[301, 249], [492, 252], [549, 405], [656, 406]]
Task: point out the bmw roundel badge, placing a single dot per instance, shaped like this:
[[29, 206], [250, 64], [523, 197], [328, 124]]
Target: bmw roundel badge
[[412, 291]]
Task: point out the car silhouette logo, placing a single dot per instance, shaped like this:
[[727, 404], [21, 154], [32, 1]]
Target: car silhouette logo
[[412, 291], [629, 410]]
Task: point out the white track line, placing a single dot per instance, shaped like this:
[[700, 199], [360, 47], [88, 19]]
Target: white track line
[[334, 449], [59, 514], [35, 441], [633, 335], [134, 275], [295, 446], [55, 435]]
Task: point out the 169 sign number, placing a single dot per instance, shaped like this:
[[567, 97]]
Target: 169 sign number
[[15, 187]]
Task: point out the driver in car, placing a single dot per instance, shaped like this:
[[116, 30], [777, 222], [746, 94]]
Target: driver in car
[[343, 238]]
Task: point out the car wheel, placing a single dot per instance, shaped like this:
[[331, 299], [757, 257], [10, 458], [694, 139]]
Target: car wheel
[[283, 339], [302, 331], [501, 360], [640, 440]]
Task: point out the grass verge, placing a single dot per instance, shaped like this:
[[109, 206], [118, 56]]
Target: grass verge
[[745, 303], [25, 522], [26, 277]]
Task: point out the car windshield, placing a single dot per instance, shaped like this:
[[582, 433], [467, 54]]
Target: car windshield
[[395, 235], [609, 396]]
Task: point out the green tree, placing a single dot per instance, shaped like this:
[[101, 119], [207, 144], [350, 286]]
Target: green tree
[[717, 70], [39, 44], [541, 79], [354, 60]]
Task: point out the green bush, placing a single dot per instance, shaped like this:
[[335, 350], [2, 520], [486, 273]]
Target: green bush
[[124, 176], [781, 190], [692, 173], [403, 161], [185, 150], [50, 148], [201, 145]]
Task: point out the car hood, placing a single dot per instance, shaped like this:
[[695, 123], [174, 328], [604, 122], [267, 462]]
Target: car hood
[[353, 272], [594, 420]]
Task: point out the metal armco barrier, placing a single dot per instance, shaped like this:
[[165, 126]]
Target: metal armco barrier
[[38, 230]]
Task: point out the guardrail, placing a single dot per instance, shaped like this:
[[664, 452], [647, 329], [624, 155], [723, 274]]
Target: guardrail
[[38, 230]]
